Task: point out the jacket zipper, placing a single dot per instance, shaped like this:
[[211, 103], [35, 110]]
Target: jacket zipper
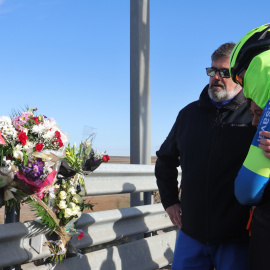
[[216, 122]]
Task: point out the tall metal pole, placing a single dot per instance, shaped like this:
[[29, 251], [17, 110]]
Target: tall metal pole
[[140, 131]]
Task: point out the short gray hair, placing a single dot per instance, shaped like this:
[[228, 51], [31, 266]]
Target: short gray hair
[[223, 50]]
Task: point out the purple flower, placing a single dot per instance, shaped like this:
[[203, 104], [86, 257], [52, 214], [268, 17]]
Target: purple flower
[[33, 170]]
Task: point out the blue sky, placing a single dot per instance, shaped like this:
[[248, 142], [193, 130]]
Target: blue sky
[[71, 60]]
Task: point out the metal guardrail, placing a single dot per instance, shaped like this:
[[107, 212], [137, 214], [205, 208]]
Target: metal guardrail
[[118, 178], [145, 254], [23, 242], [26, 239]]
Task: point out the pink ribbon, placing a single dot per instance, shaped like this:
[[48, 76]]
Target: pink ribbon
[[2, 141]]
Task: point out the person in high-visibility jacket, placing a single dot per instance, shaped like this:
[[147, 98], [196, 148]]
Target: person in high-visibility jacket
[[250, 67]]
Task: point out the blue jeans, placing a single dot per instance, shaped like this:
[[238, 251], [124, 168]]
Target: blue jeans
[[192, 254]]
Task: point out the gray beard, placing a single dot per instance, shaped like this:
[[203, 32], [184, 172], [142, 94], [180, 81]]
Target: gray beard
[[221, 95]]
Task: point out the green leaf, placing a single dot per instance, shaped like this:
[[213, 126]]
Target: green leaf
[[2, 155], [25, 158]]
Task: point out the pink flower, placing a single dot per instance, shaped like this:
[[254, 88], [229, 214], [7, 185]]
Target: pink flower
[[16, 123], [20, 120], [35, 168], [24, 117]]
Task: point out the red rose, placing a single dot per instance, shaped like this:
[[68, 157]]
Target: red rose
[[35, 119], [22, 137], [39, 146], [106, 158], [57, 134], [80, 236], [57, 143]]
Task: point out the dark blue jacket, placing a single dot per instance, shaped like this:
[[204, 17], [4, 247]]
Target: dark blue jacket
[[210, 145]]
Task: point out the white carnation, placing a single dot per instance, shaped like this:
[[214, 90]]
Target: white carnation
[[49, 123], [49, 135], [39, 129]]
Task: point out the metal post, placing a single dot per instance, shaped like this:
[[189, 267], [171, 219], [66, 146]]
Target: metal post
[[12, 214], [2, 202], [140, 133]]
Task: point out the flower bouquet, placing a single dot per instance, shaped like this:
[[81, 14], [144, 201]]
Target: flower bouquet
[[36, 167], [91, 158], [31, 149]]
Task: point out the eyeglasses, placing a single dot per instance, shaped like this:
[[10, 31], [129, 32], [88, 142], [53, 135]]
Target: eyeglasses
[[223, 72]]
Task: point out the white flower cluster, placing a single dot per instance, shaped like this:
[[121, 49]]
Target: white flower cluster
[[7, 129], [70, 202], [98, 155], [46, 130], [28, 148]]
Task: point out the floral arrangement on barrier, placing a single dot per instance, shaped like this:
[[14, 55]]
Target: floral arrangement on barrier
[[37, 167]]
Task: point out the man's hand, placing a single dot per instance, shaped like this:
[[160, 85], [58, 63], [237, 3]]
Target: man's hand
[[174, 213], [265, 143]]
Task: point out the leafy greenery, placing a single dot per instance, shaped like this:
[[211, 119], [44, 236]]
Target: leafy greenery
[[46, 219], [73, 157]]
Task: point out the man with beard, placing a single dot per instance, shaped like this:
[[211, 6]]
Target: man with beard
[[209, 140]]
